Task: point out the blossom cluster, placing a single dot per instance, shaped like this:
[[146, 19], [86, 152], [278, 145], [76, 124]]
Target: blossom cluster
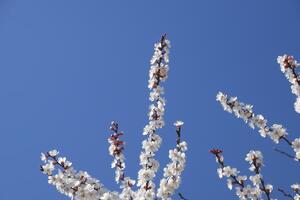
[[116, 150], [288, 66], [77, 185], [172, 172], [81, 186], [256, 187], [241, 110], [276, 132], [158, 72]]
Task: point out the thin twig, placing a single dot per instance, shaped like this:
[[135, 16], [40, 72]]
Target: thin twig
[[286, 140], [285, 193], [284, 153], [181, 196]]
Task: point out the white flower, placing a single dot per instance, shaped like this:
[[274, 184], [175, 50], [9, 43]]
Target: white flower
[[264, 132], [154, 164], [256, 179], [222, 98], [297, 156], [156, 93], [249, 192], [281, 62], [230, 183], [255, 160], [144, 176], [183, 146], [296, 145], [241, 179], [254, 156], [52, 180], [53, 153], [176, 155], [296, 187], [152, 145], [228, 171], [297, 105], [277, 132], [128, 182], [64, 162], [258, 121], [109, 196], [144, 158], [43, 157], [286, 62], [163, 72], [295, 89], [48, 168], [243, 111], [269, 187], [148, 129], [221, 159], [178, 123], [220, 172]]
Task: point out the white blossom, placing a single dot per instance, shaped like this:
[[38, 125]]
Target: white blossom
[[297, 105], [277, 132], [43, 157], [296, 145], [109, 196], [53, 153], [288, 64], [178, 123], [296, 187], [269, 188], [48, 168], [297, 158], [256, 179], [254, 158]]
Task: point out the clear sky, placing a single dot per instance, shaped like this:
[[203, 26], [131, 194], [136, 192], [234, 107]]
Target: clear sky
[[67, 68]]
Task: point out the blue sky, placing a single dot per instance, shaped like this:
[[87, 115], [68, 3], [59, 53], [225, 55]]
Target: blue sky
[[68, 68]]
